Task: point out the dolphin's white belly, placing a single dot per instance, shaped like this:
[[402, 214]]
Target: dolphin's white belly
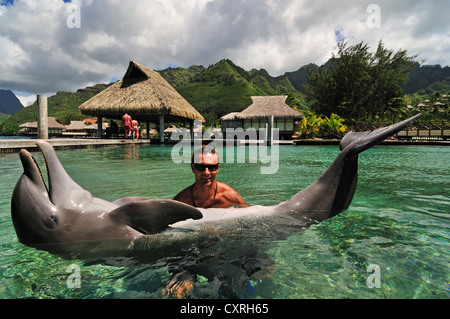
[[215, 216]]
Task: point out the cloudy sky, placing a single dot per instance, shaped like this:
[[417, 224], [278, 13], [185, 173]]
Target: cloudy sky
[[52, 45]]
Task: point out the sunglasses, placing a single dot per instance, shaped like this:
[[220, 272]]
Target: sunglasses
[[202, 167]]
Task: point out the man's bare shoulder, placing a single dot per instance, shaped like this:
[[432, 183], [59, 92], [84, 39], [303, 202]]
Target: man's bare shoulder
[[183, 195], [230, 195], [225, 187]]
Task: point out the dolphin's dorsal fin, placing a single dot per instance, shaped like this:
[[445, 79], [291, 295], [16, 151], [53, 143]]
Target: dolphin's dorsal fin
[[153, 215]]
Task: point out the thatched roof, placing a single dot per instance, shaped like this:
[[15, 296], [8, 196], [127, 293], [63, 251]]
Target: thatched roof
[[265, 106], [51, 124], [142, 93], [76, 125], [229, 117]]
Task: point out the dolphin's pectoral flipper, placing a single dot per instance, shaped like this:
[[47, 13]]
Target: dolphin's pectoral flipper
[[152, 216]]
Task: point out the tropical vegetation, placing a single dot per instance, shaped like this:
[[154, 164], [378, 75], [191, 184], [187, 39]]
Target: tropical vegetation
[[312, 126], [360, 85]]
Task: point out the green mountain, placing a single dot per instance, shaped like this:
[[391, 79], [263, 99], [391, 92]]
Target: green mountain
[[3, 117], [9, 103], [179, 76], [221, 88], [299, 77], [225, 87], [429, 79]]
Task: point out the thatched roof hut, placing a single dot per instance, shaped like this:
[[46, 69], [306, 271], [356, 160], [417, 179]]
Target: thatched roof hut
[[31, 128], [230, 116], [52, 124], [266, 106], [143, 94], [270, 111], [79, 128]]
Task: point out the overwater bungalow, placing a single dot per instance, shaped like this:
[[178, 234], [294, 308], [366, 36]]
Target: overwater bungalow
[[264, 112], [80, 129], [146, 96], [55, 129]]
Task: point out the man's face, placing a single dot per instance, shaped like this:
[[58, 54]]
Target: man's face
[[205, 176]]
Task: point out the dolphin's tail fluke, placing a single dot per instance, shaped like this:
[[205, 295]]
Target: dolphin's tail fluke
[[333, 192], [361, 141]]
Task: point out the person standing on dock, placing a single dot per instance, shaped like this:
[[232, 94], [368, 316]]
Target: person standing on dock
[[126, 122]]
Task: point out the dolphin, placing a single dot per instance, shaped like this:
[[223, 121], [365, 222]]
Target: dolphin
[[65, 218]]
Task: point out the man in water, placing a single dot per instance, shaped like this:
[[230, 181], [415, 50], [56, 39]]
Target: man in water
[[206, 192], [126, 122]]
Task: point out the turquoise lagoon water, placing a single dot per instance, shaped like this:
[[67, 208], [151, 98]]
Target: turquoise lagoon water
[[398, 221]]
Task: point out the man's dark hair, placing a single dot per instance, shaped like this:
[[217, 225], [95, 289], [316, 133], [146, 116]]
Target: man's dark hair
[[204, 149]]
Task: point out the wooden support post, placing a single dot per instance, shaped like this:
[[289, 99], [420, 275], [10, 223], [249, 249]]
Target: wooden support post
[[270, 130], [161, 128], [99, 127], [192, 127]]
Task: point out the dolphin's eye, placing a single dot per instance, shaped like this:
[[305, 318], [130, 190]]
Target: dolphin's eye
[[51, 221], [54, 219]]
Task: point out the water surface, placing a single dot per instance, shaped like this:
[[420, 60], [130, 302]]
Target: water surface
[[398, 220]]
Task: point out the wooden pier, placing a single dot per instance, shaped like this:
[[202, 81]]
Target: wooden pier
[[15, 145], [426, 131]]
